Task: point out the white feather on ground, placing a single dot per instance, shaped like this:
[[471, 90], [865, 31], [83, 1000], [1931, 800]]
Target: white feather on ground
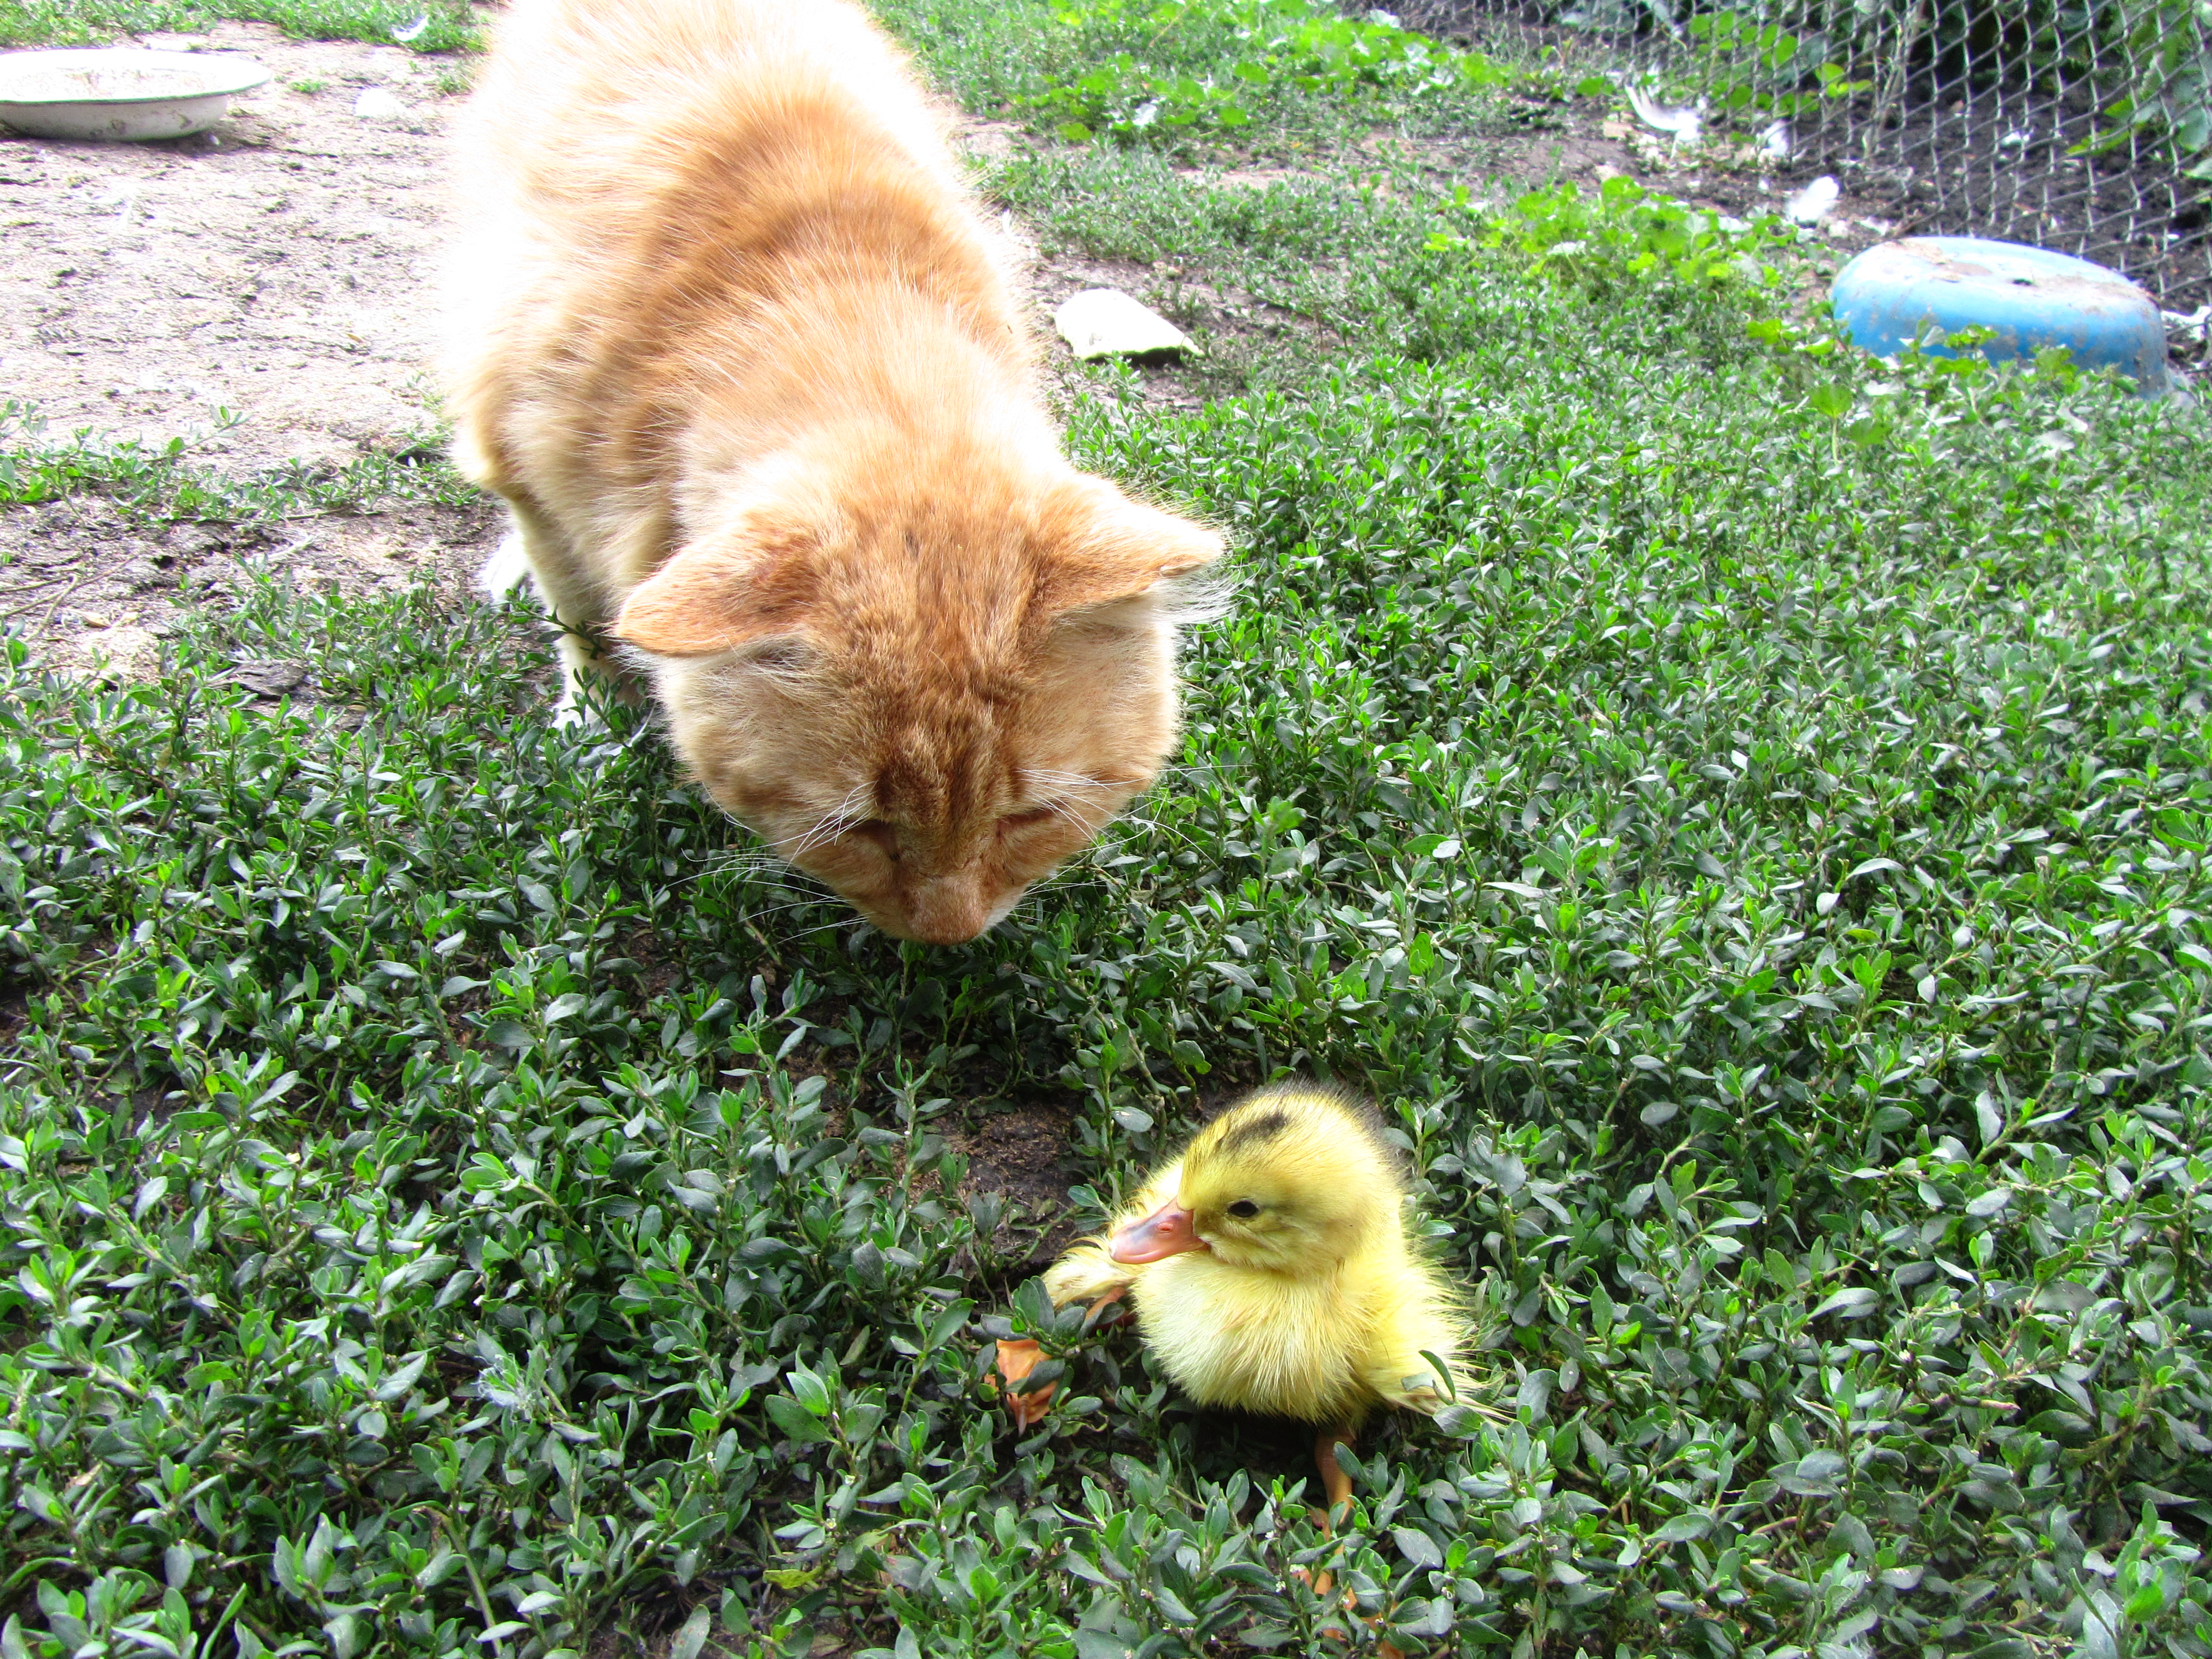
[[1684, 121], [1813, 203]]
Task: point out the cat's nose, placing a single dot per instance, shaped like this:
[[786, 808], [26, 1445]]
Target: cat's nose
[[947, 910]]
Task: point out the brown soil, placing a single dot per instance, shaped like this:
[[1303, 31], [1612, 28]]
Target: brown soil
[[1023, 1156], [280, 268], [1540, 143]]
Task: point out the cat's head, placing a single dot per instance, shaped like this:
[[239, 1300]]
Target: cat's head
[[925, 701]]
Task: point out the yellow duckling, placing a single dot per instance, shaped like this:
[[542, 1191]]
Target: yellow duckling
[[1270, 1269]]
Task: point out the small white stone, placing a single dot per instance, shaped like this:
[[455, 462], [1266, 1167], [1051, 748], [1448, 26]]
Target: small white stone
[[1104, 322], [378, 104]]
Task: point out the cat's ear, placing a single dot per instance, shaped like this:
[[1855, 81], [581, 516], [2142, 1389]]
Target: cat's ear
[[716, 595], [1120, 550]]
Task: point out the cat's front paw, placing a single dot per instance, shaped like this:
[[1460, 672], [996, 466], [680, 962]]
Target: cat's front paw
[[504, 571]]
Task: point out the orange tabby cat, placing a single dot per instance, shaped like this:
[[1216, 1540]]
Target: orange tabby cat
[[730, 337]]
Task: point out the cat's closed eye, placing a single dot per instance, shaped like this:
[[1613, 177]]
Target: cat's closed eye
[[1014, 823], [880, 832]]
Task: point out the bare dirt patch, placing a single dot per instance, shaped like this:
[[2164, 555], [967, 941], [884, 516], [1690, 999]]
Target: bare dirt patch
[[1024, 1156], [280, 270], [1530, 143], [1538, 142], [96, 588]]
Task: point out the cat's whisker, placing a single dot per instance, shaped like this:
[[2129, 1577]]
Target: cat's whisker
[[809, 933], [1155, 827], [843, 817], [1068, 876], [765, 913], [1070, 783], [760, 868], [743, 861], [1061, 809], [819, 836], [1066, 789], [797, 882], [764, 918]]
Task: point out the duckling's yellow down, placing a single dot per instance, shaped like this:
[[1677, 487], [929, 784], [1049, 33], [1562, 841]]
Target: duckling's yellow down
[[1272, 1269]]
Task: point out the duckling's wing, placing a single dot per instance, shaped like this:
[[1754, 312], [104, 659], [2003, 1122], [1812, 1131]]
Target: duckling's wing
[[1087, 1273], [1409, 1382], [1419, 1318]]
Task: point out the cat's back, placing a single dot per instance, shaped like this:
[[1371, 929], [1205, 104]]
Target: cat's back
[[590, 103], [637, 181]]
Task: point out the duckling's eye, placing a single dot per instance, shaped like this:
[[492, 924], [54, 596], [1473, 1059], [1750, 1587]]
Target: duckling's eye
[[1244, 1209]]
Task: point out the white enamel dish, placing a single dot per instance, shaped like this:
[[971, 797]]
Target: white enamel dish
[[121, 92]]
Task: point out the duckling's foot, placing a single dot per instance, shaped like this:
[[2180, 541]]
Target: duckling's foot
[[1017, 1359], [1334, 1479]]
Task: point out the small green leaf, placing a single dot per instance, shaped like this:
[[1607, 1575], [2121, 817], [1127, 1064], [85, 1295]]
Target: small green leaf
[[797, 1423], [1417, 1546], [508, 1034], [38, 1502], [1853, 1302], [810, 1391], [1833, 399], [692, 1636]]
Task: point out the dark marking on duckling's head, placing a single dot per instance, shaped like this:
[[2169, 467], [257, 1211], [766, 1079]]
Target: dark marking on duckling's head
[[1267, 1114], [1251, 1131]]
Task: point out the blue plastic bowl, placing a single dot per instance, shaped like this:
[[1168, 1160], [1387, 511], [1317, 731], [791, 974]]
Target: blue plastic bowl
[[1885, 298]]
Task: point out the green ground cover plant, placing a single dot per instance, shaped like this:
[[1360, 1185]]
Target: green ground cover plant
[[165, 482], [1740, 808], [1194, 78], [420, 25], [1244, 55], [1350, 273]]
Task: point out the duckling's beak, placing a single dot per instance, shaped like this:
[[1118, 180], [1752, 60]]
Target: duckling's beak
[[1168, 1231]]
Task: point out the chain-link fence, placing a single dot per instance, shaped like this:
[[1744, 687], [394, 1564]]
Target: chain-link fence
[[2082, 125]]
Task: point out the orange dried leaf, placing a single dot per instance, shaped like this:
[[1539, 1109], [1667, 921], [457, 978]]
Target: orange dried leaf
[[1017, 1359]]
